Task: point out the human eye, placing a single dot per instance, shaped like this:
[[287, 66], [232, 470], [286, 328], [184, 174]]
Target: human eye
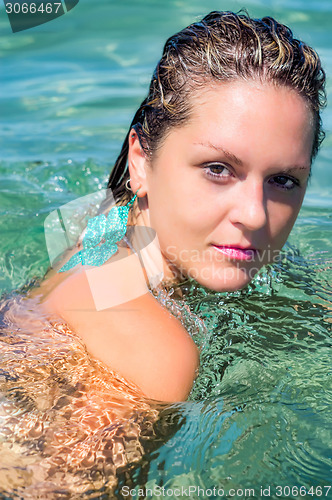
[[217, 171], [285, 182]]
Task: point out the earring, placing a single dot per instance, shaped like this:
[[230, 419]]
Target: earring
[[110, 229], [126, 185]]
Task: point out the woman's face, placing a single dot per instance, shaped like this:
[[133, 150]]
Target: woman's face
[[225, 189]]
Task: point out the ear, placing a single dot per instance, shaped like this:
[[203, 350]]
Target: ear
[[137, 165]]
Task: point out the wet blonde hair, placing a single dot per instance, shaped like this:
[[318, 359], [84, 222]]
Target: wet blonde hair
[[222, 47]]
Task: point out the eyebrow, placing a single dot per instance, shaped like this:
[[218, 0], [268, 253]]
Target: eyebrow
[[292, 169], [239, 162], [228, 155]]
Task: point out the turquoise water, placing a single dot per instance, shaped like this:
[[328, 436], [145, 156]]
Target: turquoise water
[[260, 412]]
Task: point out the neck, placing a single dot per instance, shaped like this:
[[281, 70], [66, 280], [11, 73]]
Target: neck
[[140, 216]]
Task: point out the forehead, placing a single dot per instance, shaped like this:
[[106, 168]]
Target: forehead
[[252, 115], [259, 99]]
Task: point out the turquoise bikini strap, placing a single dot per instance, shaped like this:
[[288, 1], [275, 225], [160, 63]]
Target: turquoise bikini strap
[[129, 204]]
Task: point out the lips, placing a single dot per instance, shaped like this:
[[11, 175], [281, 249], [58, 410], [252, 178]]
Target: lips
[[237, 252]]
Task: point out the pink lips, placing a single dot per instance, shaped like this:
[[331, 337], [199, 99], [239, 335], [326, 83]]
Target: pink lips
[[237, 253]]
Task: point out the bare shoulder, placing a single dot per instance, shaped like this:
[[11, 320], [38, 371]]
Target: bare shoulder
[[162, 356], [139, 339]]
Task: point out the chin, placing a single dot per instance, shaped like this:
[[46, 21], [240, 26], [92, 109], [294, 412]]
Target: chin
[[228, 283]]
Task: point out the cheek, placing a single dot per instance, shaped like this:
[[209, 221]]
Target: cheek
[[282, 221], [200, 222]]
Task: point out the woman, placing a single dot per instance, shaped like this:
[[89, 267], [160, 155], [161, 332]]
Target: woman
[[219, 155]]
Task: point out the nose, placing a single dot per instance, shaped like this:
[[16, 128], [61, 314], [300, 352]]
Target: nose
[[249, 205]]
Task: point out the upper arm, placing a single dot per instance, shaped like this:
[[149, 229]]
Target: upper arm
[[158, 354], [173, 358]]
